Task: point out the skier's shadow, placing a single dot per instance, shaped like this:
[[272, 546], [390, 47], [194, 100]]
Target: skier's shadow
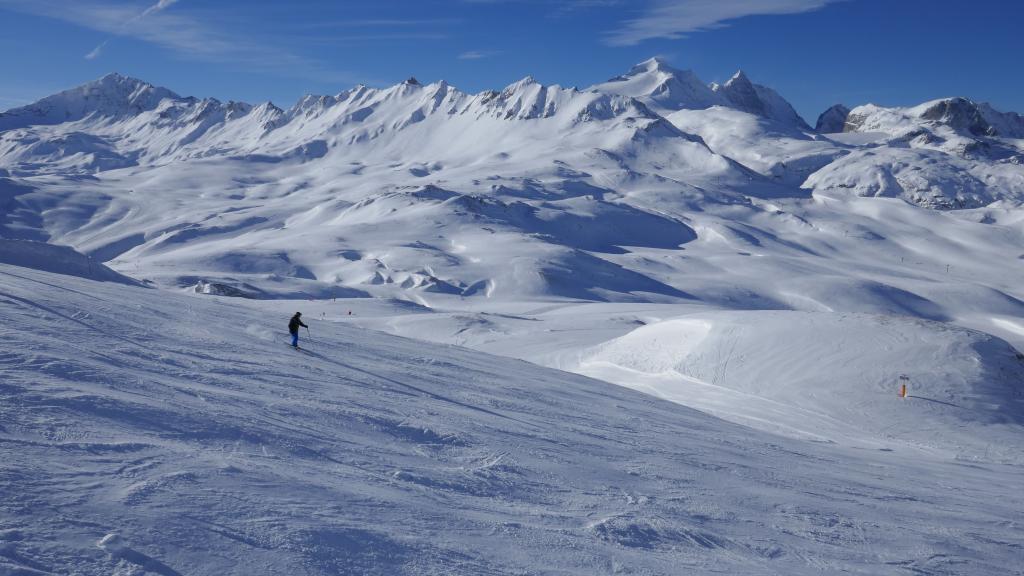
[[938, 402], [148, 563]]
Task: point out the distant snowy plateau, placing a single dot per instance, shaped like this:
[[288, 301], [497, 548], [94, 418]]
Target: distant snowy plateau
[[653, 326]]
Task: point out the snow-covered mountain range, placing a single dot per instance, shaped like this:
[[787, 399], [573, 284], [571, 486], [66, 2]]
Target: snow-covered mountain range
[[531, 190]]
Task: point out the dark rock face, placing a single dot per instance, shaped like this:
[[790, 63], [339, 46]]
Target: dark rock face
[[832, 120], [741, 93], [960, 114]]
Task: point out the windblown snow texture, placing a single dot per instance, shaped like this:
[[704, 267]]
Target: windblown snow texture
[[150, 432]]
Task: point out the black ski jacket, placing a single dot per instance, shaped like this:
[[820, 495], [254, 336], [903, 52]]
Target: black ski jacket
[[293, 325]]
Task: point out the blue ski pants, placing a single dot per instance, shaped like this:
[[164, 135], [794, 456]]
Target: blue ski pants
[[295, 338]]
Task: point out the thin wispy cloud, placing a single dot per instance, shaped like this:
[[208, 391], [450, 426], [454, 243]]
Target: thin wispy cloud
[[381, 23], [558, 4], [160, 5], [556, 8], [95, 52], [184, 36], [477, 54], [673, 19], [568, 8], [347, 32], [356, 39]]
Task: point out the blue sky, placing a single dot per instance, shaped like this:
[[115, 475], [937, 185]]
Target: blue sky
[[815, 52]]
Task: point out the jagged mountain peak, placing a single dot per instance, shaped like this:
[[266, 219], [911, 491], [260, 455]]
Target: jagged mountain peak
[[110, 95], [523, 82], [115, 88], [658, 68], [528, 99], [740, 77], [268, 106], [743, 94], [118, 79], [664, 88], [654, 64]]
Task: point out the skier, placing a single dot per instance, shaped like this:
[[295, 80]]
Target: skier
[[293, 328]]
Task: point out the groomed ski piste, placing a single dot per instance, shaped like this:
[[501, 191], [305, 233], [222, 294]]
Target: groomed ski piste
[[151, 432]]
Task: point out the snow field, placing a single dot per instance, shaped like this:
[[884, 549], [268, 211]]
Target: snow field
[[145, 431], [832, 377]]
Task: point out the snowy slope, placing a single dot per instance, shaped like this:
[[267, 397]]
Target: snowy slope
[[62, 259], [775, 150], [825, 376], [148, 432], [830, 376]]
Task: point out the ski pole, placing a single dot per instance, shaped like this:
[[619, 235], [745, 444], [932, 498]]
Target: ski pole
[[308, 334]]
